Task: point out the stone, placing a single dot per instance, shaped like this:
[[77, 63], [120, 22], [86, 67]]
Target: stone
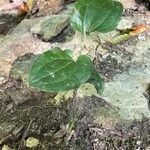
[[23, 40], [20, 67], [63, 96], [86, 89], [19, 43], [32, 142], [94, 110], [51, 27], [5, 147], [126, 91], [47, 7]]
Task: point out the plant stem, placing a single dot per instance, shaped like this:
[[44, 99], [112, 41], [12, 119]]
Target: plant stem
[[84, 40]]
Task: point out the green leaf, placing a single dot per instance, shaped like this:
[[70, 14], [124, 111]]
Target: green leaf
[[97, 81], [96, 15], [55, 71], [112, 20]]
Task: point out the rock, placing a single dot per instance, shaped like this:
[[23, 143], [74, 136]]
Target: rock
[[8, 21], [141, 37], [48, 7], [63, 96], [2, 79], [126, 91], [51, 27], [32, 142], [22, 41], [20, 67], [18, 43], [5, 147], [86, 89], [93, 110]]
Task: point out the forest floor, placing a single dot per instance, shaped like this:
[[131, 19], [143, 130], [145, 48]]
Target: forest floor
[[119, 119]]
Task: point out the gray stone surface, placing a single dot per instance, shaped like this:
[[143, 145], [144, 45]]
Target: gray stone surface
[[126, 91], [23, 39], [51, 27]]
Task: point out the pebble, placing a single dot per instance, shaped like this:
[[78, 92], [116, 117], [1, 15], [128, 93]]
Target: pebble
[[32, 142], [141, 37], [5, 147]]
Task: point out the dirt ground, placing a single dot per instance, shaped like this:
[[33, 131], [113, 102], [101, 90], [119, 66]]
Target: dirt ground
[[26, 113]]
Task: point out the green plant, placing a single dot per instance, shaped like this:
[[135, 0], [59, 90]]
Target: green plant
[[96, 15], [55, 70]]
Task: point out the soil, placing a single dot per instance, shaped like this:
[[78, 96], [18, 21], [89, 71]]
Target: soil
[[93, 137], [31, 111], [109, 66], [25, 112], [36, 116]]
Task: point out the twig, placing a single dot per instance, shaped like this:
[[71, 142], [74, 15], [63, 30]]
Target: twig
[[25, 133]]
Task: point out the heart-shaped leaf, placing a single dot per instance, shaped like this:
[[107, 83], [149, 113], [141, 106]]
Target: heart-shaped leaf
[[96, 15], [55, 71]]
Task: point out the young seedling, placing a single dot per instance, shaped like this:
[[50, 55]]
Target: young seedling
[[55, 70], [90, 17], [96, 15]]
